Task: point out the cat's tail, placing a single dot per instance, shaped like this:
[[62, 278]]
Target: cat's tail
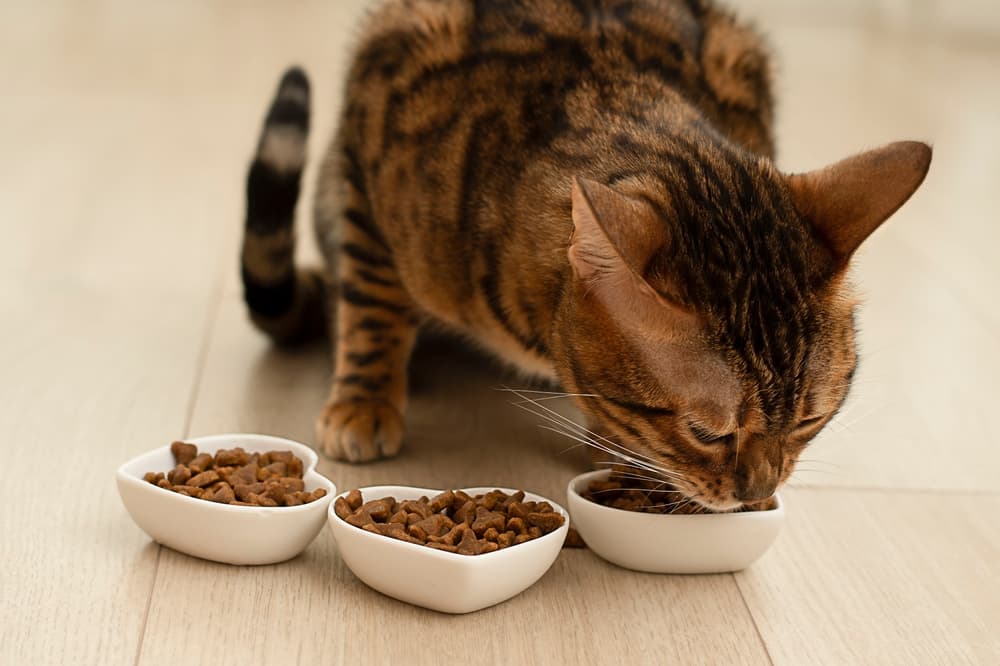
[[285, 303]]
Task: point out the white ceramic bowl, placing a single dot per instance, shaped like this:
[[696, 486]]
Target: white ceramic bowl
[[439, 580], [681, 544], [220, 532]]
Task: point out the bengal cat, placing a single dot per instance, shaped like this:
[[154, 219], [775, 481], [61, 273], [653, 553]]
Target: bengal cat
[[586, 188]]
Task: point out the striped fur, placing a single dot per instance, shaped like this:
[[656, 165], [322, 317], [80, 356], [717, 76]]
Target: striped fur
[[584, 187]]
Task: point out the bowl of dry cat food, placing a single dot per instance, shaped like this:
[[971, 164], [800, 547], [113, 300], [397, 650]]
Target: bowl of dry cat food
[[453, 551], [237, 499], [648, 527]]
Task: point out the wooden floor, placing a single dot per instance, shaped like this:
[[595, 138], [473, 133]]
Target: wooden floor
[[126, 128]]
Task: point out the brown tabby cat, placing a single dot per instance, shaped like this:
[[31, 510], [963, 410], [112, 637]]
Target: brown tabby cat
[[586, 188]]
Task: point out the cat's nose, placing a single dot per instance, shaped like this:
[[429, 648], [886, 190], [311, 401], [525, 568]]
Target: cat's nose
[[756, 480], [755, 492]]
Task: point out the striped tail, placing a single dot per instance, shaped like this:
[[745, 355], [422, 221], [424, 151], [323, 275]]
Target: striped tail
[[286, 304]]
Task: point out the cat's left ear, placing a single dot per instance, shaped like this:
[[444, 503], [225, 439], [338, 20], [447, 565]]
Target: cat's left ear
[[847, 201], [612, 233]]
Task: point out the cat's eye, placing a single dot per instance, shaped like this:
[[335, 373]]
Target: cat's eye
[[706, 437]]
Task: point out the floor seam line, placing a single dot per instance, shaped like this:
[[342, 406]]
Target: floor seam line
[[756, 627], [212, 318]]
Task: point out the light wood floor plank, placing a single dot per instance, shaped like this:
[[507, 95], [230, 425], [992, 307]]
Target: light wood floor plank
[[881, 578]]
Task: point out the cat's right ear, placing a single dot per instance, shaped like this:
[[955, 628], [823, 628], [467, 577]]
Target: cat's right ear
[[613, 234], [847, 201]]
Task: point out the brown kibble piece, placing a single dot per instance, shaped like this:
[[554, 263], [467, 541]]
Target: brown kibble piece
[[379, 509], [200, 463], [516, 497], [245, 490], [226, 457], [353, 499], [245, 474], [518, 525], [440, 501], [151, 477], [518, 510], [469, 545], [506, 539], [163, 483], [466, 513], [341, 508], [293, 499], [573, 539], [442, 546], [295, 467], [486, 519], [183, 452], [179, 475], [280, 456], [413, 506], [223, 494], [492, 499], [359, 518], [204, 479], [548, 522], [491, 534], [398, 517], [487, 547], [278, 469]]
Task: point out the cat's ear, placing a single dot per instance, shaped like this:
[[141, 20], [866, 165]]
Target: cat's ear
[[612, 232], [847, 201]]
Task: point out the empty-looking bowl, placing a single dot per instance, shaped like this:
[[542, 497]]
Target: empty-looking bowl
[[664, 543], [223, 532], [436, 579]]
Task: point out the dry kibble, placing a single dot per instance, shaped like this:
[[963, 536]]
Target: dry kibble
[[204, 479], [234, 476], [466, 513], [573, 539], [621, 490], [183, 452], [353, 499], [200, 463], [453, 521], [341, 508], [227, 457]]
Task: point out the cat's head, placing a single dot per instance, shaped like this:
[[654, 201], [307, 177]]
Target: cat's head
[[710, 321]]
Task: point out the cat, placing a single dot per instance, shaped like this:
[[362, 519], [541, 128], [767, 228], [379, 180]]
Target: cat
[[587, 189]]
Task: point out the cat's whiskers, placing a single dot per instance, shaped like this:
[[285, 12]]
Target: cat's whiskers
[[592, 438]]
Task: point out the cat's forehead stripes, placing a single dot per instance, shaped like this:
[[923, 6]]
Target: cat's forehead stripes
[[736, 255]]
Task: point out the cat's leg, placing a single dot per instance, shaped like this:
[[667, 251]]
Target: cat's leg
[[374, 334]]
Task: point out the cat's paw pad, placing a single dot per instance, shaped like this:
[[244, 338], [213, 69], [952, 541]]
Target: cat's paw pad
[[360, 431]]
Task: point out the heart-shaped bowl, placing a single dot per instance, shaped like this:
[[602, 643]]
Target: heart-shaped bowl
[[439, 580], [675, 544], [222, 532]]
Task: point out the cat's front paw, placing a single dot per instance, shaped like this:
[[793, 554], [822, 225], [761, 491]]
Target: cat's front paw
[[360, 431]]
